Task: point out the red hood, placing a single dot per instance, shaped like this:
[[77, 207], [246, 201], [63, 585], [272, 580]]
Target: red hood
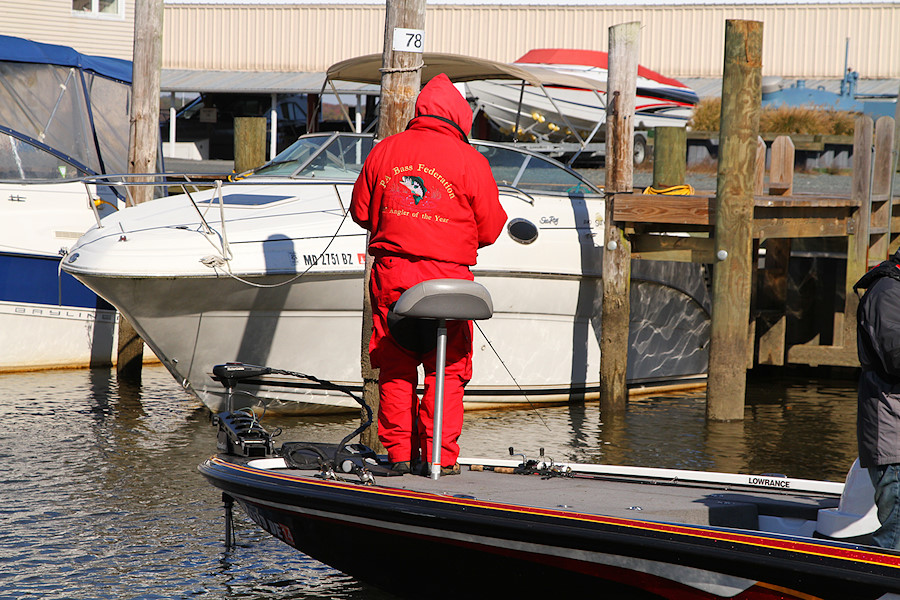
[[440, 98]]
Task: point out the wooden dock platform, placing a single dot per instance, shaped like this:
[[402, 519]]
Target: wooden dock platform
[[745, 230], [683, 228]]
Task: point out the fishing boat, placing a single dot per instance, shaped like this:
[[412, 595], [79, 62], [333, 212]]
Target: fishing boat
[[530, 527], [560, 113], [63, 116]]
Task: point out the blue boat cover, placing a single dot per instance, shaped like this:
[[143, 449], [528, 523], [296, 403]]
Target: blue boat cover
[[15, 49], [62, 113]]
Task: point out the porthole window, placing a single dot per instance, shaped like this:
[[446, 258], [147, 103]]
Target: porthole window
[[522, 231]]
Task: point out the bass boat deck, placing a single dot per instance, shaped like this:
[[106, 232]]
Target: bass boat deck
[[520, 526]]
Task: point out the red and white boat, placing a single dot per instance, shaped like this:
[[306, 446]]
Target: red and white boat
[[560, 113]]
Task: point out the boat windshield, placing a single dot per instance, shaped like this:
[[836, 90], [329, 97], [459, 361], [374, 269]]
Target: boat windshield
[[531, 172], [21, 162], [341, 156], [326, 156], [78, 115]]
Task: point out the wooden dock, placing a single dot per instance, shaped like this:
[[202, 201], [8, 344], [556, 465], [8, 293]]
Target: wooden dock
[[746, 234], [683, 228]]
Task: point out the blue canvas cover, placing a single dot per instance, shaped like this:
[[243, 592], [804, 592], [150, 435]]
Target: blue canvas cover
[[64, 114], [21, 50]]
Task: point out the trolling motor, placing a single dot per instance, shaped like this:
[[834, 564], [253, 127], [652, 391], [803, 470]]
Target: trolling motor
[[241, 434]]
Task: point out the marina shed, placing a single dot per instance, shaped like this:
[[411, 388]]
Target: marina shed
[[803, 40], [204, 128]]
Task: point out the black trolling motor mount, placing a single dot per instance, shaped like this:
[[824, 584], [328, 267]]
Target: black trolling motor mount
[[241, 434]]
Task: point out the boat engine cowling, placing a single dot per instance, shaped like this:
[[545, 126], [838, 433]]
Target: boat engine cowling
[[856, 515]]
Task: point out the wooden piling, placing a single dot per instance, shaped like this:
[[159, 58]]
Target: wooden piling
[[624, 44], [842, 351], [895, 167], [772, 289], [741, 95], [669, 156], [882, 205], [249, 143], [143, 145], [400, 83], [401, 70], [759, 179]]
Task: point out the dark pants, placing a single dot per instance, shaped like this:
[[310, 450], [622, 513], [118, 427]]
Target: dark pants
[[886, 479]]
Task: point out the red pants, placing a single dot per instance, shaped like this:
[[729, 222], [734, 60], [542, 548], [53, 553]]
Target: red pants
[[404, 422]]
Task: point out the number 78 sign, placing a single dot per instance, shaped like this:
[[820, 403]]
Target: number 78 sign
[[409, 40]]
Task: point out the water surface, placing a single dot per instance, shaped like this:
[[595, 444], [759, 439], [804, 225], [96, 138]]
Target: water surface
[[100, 496]]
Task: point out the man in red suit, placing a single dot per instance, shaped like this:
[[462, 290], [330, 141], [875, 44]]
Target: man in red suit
[[430, 202]]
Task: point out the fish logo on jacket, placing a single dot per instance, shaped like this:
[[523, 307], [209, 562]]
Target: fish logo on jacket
[[415, 185]]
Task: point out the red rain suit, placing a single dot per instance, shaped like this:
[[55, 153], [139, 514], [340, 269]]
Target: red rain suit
[[430, 201]]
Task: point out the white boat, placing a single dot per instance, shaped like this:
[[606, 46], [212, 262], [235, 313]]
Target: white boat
[[560, 113], [63, 116], [269, 270]]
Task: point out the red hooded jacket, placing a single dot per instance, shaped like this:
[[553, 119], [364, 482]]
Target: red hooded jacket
[[426, 192]]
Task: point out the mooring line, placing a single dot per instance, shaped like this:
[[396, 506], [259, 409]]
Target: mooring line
[[497, 354]]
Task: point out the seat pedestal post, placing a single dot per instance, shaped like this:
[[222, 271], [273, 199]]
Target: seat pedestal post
[[443, 300], [438, 421]]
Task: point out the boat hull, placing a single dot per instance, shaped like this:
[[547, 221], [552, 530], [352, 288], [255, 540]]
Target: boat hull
[[48, 319], [43, 336], [541, 346], [434, 539]]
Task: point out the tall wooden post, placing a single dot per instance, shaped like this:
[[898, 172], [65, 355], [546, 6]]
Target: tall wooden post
[[401, 75], [400, 83], [741, 95], [249, 143], [669, 156], [895, 166], [624, 43], [143, 143]]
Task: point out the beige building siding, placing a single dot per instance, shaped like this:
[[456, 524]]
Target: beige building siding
[[800, 40], [276, 38], [53, 22]]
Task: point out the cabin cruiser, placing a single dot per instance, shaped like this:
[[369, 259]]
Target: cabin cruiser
[[268, 269], [563, 113], [63, 116]]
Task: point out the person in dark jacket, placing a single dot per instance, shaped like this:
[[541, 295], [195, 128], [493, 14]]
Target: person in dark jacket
[[878, 411], [430, 201]]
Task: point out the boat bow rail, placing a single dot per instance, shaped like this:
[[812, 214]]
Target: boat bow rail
[[209, 220]]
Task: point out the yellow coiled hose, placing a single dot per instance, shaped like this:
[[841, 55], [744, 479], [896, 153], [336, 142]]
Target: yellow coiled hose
[[675, 190]]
